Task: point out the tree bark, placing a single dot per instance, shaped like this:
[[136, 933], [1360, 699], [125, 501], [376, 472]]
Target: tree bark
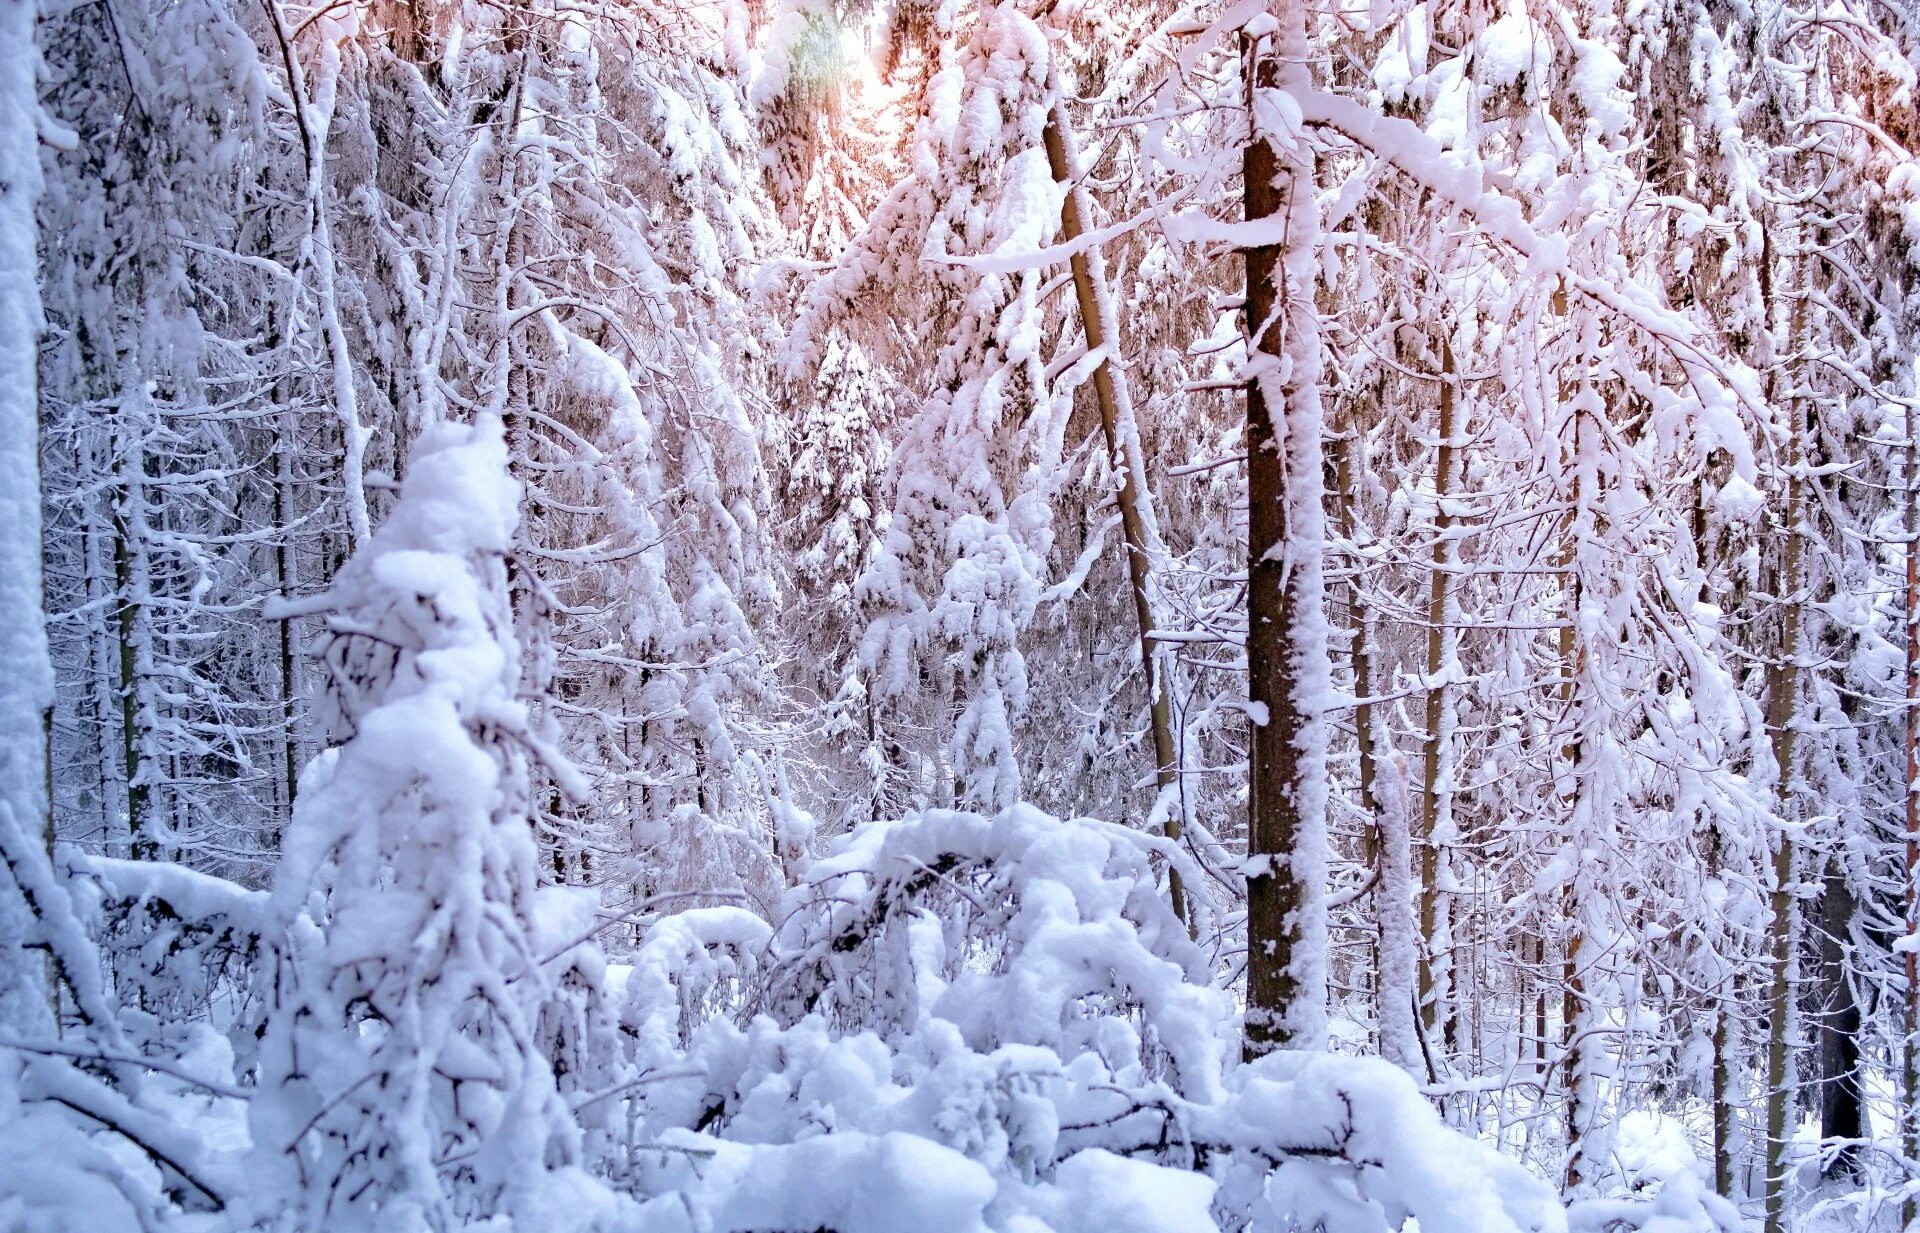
[[1783, 689], [1909, 1053], [1382, 792], [1842, 1099], [128, 578], [1436, 969], [1573, 1000], [1123, 447], [1287, 667]]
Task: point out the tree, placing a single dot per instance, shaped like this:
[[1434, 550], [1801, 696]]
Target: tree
[[1287, 672], [400, 1071]]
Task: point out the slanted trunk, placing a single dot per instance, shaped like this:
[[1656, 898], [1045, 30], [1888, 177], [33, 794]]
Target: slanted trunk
[[1123, 447]]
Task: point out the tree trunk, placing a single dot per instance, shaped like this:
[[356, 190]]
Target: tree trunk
[[1842, 1099], [27, 1007], [1287, 668], [286, 430], [1909, 1053], [1137, 524], [1574, 1008], [1436, 805], [1721, 1095], [1399, 943], [128, 578], [1720, 1071], [1783, 689], [1383, 794]]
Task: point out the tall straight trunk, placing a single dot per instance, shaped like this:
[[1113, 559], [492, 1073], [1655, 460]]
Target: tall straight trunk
[[877, 775], [1721, 1078], [103, 673], [1581, 1099], [1909, 1052], [284, 567], [26, 683], [128, 576], [1783, 692], [1720, 1070], [1383, 793], [1436, 811], [1285, 604], [1540, 1005], [1123, 447], [1573, 999], [1842, 1097], [286, 427], [1399, 942], [1287, 671], [1360, 619]]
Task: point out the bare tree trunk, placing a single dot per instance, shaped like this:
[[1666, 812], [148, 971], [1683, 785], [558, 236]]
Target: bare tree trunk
[[26, 684], [1399, 942], [1383, 794], [1360, 617], [1540, 1005], [1287, 667], [1123, 447], [1720, 1073], [1909, 1054], [1783, 690], [1722, 1077], [1842, 1098], [127, 612], [1573, 1000], [1436, 969], [286, 429]]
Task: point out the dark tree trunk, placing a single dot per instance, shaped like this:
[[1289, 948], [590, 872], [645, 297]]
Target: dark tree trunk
[[1286, 648], [1842, 1102]]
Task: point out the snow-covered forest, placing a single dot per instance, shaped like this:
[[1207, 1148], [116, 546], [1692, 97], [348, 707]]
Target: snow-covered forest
[[959, 616]]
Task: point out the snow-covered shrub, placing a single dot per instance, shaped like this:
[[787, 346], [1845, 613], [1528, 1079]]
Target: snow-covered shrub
[[183, 947], [400, 1082], [1074, 1077], [692, 965], [1018, 929]]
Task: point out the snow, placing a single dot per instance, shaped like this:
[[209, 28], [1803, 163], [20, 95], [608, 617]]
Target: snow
[[609, 574], [867, 1096], [1511, 47], [853, 1182], [26, 687], [411, 860], [1096, 1190]]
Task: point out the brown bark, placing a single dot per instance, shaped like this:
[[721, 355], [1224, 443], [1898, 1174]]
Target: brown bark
[[1089, 285], [1783, 689], [1285, 808], [1436, 978], [1909, 1055]]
